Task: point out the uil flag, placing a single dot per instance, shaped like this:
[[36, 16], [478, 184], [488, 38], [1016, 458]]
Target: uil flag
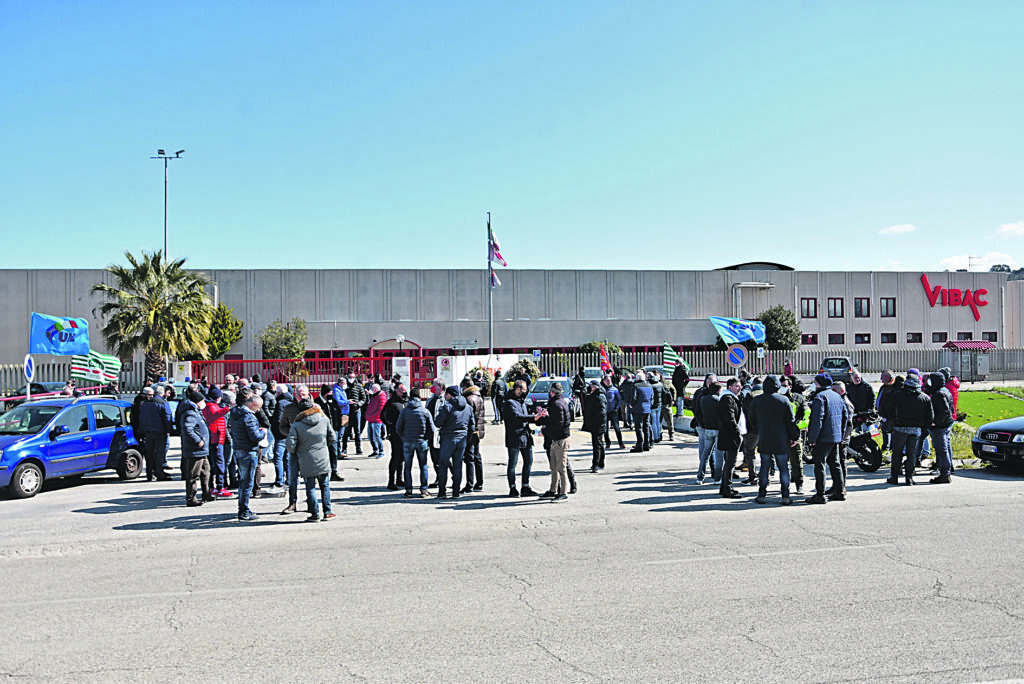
[[606, 364], [58, 336]]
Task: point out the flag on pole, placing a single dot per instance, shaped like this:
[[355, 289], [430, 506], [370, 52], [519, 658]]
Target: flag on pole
[[736, 330], [494, 279], [58, 336], [95, 367], [606, 364], [493, 248], [671, 359]]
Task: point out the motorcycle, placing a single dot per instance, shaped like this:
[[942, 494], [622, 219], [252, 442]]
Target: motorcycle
[[863, 447]]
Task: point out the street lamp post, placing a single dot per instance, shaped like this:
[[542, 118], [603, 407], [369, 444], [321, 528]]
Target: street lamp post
[[160, 154]]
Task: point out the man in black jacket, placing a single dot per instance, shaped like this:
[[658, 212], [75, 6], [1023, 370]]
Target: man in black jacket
[[911, 413], [680, 378], [356, 403], [942, 423], [770, 417], [709, 430], [729, 438], [555, 419], [860, 394], [499, 388], [595, 416]]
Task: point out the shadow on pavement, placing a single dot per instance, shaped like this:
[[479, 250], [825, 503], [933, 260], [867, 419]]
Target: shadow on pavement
[[139, 501]]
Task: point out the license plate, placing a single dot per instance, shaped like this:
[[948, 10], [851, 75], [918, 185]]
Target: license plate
[[989, 448]]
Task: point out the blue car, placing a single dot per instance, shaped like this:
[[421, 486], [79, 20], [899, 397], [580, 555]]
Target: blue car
[[62, 437]]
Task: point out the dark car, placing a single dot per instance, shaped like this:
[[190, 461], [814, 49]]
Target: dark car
[[1001, 442], [62, 437], [537, 397], [38, 388], [839, 367]]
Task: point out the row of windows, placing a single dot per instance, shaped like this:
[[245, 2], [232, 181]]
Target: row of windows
[[861, 307], [890, 338]]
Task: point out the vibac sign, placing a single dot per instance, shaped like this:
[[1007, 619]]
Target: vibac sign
[[954, 297]]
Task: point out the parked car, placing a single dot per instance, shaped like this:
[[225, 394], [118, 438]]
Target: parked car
[[62, 437], [537, 397], [37, 388], [839, 367], [1001, 442]]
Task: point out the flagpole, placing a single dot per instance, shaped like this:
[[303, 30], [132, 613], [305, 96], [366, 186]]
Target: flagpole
[[490, 296]]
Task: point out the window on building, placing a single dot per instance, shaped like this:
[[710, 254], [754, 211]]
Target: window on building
[[835, 307], [862, 338], [836, 338], [939, 338], [915, 338], [990, 337], [888, 307], [964, 336], [861, 307], [808, 338], [888, 338], [808, 307]]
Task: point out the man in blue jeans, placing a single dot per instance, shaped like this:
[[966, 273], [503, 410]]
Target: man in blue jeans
[[284, 400], [286, 418], [518, 437], [455, 420], [246, 434], [709, 423], [415, 426], [772, 420]]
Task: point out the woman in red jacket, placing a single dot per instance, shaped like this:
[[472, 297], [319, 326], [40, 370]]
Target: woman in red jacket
[[374, 406], [215, 416]]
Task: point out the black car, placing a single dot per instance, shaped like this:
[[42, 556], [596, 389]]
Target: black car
[[1001, 442]]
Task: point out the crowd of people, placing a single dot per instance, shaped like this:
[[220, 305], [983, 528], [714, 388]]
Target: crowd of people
[[228, 430]]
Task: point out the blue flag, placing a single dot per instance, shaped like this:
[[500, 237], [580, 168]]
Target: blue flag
[[58, 336], [735, 330]]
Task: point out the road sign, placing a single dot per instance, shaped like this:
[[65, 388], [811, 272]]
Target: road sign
[[465, 344], [760, 352], [29, 368], [737, 355], [536, 353]]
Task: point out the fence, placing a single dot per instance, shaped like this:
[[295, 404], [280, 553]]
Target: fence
[[314, 372], [12, 377]]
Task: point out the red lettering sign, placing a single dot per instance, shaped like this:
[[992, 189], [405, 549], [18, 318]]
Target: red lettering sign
[[954, 297]]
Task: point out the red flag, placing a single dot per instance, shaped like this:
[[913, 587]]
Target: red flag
[[606, 364], [494, 279]]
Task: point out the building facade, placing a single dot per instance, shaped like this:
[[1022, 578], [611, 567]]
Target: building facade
[[363, 311]]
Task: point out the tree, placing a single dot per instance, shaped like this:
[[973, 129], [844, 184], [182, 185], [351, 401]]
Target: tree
[[595, 347], [781, 330], [225, 330], [157, 307], [284, 340], [527, 366]]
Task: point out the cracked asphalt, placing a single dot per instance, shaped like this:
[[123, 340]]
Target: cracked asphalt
[[641, 576]]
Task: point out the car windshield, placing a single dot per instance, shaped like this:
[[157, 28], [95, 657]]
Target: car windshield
[[592, 373], [26, 420], [836, 363], [542, 386]]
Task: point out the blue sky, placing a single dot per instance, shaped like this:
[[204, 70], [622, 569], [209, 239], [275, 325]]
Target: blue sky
[[825, 135]]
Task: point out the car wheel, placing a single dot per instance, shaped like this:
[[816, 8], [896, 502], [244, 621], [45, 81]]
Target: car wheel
[[27, 480], [130, 466], [873, 460]]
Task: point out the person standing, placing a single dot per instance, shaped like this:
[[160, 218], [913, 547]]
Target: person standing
[[860, 394], [579, 387], [680, 379], [942, 423], [311, 438], [668, 400], [555, 420], [374, 406], [518, 438], [787, 368], [473, 459], [729, 437], [356, 402], [195, 448], [340, 393], [614, 405], [709, 421], [216, 418], [415, 425], [627, 389], [750, 438], [246, 434], [499, 390], [392, 409], [839, 387], [829, 418], [595, 421], [770, 417], [798, 405], [455, 421], [882, 403], [911, 412], [657, 396], [280, 430], [329, 405], [155, 422], [642, 397]]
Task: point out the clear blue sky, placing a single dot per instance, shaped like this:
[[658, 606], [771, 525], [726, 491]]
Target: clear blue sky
[[601, 135]]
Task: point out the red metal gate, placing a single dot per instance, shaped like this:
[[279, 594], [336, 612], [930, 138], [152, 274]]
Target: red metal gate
[[314, 372]]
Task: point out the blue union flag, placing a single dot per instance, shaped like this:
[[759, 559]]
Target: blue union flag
[[58, 336]]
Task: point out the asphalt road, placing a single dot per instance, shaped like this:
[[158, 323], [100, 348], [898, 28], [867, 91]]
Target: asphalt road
[[641, 576]]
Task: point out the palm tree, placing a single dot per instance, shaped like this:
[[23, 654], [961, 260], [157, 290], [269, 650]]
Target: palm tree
[[155, 306]]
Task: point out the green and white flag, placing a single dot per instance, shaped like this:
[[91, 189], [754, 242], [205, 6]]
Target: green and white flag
[[670, 359], [95, 367]]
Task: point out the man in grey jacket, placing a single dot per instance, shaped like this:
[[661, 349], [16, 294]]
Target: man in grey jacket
[[311, 439]]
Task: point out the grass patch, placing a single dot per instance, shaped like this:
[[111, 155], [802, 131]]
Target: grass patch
[[985, 407], [1015, 391]]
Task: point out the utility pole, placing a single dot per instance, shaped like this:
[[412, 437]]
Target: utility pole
[[160, 154]]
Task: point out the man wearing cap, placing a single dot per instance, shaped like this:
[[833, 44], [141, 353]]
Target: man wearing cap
[[195, 448], [829, 418], [155, 423], [455, 420], [911, 414]]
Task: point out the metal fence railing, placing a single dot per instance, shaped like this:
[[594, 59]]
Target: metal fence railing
[[12, 377]]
